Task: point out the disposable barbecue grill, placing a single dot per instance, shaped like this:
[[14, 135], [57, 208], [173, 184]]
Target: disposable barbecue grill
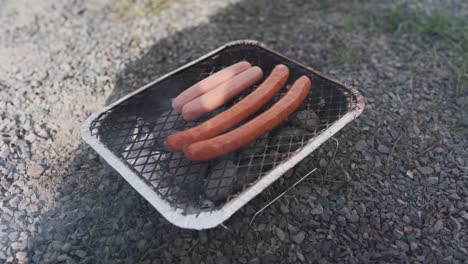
[[129, 135]]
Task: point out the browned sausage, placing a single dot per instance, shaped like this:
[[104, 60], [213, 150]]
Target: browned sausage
[[234, 115], [243, 135]]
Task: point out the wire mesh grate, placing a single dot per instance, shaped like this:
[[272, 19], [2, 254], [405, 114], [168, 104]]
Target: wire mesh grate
[[136, 129]]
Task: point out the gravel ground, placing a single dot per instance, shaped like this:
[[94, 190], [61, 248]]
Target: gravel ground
[[397, 190]]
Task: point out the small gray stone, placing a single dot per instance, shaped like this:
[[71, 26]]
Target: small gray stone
[[323, 163], [433, 180], [281, 235], [317, 210], [464, 215], [300, 256], [13, 236], [454, 196], [354, 217], [255, 260], [14, 201], [5, 183], [413, 246], [383, 149], [438, 225], [360, 145], [35, 170], [62, 257], [426, 170], [299, 237], [66, 247], [406, 219], [341, 220], [351, 216], [22, 256], [20, 245], [80, 253], [57, 245]]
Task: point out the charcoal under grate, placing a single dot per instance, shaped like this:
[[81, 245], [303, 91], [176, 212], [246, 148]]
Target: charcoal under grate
[[130, 133]]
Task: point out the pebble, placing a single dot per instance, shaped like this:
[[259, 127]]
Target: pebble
[[300, 256], [35, 170], [317, 210], [62, 257], [454, 196], [299, 237], [464, 215], [351, 216], [361, 145], [13, 236], [323, 163], [426, 170], [410, 174], [280, 233], [20, 245], [341, 220], [433, 180], [66, 247], [14, 201], [438, 225], [255, 260], [406, 219], [383, 149], [80, 253], [22, 256]]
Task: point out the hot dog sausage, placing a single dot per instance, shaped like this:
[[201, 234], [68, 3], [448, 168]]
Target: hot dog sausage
[[208, 84], [234, 115], [221, 94], [243, 135]]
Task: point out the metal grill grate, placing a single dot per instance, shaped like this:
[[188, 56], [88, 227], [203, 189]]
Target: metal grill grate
[[136, 129], [130, 133]]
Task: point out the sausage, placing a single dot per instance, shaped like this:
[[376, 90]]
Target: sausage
[[234, 115], [221, 94], [208, 84], [243, 135]]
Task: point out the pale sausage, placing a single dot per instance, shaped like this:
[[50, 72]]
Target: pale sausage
[[221, 94], [208, 84]]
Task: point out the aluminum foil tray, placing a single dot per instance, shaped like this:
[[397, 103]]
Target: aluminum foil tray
[[129, 135]]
